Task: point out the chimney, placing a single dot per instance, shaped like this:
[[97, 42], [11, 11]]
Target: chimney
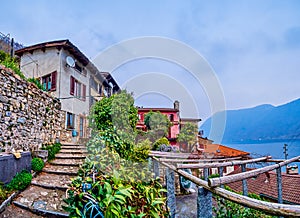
[[292, 170], [176, 105]]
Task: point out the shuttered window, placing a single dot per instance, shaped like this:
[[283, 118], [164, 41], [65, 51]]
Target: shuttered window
[[72, 85], [83, 92], [53, 80], [77, 89], [49, 81]]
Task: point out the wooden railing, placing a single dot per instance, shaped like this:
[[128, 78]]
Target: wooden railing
[[176, 162]]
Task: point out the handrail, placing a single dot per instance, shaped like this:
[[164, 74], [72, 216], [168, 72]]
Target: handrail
[[198, 160], [224, 164], [213, 182], [268, 207]]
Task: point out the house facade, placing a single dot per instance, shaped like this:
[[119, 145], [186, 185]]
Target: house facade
[[67, 74], [173, 114]]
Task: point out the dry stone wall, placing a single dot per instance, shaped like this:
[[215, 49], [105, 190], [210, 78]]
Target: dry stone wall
[[29, 117]]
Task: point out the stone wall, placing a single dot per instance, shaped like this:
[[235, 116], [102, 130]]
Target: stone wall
[[29, 117]]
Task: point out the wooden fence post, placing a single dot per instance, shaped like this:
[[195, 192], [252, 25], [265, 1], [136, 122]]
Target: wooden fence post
[[171, 199], [204, 200], [245, 188]]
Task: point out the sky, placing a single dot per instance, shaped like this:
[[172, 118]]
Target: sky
[[253, 47]]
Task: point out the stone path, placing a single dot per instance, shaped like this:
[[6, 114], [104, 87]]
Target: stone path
[[44, 197]]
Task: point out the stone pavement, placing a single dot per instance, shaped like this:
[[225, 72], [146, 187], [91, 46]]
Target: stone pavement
[[44, 197]]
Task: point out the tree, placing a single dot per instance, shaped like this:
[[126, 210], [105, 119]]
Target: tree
[[188, 134], [158, 125], [117, 111]]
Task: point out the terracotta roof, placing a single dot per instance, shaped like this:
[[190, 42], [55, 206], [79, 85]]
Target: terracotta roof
[[266, 186], [223, 151], [66, 44]]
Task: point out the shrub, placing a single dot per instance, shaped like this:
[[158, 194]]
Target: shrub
[[159, 142], [11, 63], [37, 83], [37, 164], [20, 181], [52, 150], [2, 193]]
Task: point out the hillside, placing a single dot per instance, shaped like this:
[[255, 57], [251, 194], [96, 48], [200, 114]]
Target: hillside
[[261, 123]]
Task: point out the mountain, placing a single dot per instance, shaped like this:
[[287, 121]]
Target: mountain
[[261, 123]]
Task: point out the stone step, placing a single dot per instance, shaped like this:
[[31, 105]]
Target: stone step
[[52, 181], [63, 170], [71, 144], [67, 162], [73, 147], [42, 201], [70, 156], [71, 151], [17, 212]]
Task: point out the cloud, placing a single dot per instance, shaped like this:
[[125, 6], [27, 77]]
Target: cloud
[[252, 45]]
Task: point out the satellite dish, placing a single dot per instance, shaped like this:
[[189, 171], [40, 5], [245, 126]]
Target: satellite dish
[[70, 61]]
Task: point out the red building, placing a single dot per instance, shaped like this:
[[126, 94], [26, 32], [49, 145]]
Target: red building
[[173, 115]]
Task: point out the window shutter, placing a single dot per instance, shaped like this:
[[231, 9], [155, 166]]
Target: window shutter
[[53, 81], [72, 85], [83, 92]]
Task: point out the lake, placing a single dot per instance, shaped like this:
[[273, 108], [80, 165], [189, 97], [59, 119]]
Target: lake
[[275, 149]]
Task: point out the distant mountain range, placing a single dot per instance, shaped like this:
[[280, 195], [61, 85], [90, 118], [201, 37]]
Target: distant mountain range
[[262, 123]]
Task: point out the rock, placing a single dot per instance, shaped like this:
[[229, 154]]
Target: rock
[[44, 193]]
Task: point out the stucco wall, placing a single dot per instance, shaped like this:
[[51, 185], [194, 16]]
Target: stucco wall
[[29, 117]]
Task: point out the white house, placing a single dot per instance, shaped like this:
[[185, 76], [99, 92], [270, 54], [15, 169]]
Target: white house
[[68, 75]]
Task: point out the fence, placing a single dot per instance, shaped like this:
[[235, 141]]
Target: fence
[[175, 162]]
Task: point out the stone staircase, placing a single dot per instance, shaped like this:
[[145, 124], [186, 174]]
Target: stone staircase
[[44, 197]]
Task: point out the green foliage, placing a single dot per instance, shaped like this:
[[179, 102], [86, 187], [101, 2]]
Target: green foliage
[[3, 193], [37, 164], [188, 134], [52, 150], [122, 188], [159, 142], [11, 63], [20, 181], [211, 176], [158, 125], [117, 169], [116, 112], [157, 120], [228, 209], [37, 83]]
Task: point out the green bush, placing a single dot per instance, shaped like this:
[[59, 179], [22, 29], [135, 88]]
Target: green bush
[[227, 208], [37, 83], [52, 150], [11, 63], [37, 164], [159, 142], [3, 193], [20, 181]]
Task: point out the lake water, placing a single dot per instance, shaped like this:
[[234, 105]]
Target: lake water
[[274, 149]]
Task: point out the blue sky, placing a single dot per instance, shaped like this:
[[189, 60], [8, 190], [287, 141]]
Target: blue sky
[[253, 46]]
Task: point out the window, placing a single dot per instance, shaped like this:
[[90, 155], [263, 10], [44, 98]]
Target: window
[[70, 120], [49, 81], [77, 88], [78, 68], [81, 122], [171, 117]]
